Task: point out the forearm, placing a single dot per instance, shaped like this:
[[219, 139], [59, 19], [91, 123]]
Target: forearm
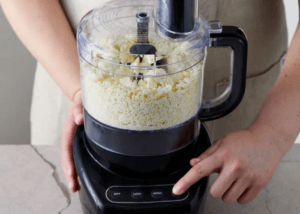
[[281, 110], [44, 29]]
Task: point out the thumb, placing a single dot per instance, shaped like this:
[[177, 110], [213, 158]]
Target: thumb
[[77, 108], [78, 113]]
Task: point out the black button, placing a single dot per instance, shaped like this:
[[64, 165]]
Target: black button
[[137, 194], [157, 193], [116, 194]]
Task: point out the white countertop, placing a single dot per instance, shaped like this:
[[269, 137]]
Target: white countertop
[[32, 182]]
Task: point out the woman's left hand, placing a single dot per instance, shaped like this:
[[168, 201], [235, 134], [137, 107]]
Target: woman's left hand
[[245, 160]]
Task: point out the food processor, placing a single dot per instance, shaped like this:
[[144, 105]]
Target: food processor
[[142, 75]]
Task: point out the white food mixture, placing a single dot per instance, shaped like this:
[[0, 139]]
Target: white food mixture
[[145, 103]]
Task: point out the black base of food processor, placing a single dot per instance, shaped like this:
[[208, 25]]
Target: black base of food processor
[[106, 192], [142, 154]]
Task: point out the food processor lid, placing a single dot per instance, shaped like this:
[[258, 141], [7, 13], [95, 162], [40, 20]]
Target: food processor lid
[[107, 35]]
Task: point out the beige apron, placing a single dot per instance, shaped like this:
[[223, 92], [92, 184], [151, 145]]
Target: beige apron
[[264, 24]]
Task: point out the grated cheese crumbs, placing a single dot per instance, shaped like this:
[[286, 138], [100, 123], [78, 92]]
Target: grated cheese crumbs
[[145, 103]]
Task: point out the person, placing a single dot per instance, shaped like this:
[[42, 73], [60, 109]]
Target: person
[[249, 142]]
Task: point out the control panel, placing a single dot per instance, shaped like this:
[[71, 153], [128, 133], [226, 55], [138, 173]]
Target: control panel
[[143, 194]]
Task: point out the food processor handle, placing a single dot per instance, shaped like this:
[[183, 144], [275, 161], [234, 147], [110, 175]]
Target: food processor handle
[[235, 39]]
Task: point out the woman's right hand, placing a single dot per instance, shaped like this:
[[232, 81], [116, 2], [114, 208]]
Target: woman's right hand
[[75, 118]]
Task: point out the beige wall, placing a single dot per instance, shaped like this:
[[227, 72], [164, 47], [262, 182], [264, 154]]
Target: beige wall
[[292, 15], [17, 72]]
